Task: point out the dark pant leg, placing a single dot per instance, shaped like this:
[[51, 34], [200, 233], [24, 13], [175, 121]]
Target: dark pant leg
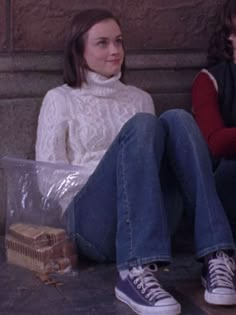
[[225, 176]]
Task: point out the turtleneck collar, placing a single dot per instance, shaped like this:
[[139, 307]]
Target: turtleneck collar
[[99, 85]]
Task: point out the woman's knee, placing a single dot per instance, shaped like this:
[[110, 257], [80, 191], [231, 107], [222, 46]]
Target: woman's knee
[[142, 118], [176, 116], [180, 122], [145, 124]]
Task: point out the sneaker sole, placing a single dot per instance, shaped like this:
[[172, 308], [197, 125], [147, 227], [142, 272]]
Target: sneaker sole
[[218, 299], [174, 309]]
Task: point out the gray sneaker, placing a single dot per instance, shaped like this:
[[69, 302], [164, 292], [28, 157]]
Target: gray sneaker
[[143, 293]]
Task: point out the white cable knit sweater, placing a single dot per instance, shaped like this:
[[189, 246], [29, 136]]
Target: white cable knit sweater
[[76, 126]]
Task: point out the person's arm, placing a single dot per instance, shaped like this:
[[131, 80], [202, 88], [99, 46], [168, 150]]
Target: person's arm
[[220, 139], [148, 105], [59, 181], [52, 131]]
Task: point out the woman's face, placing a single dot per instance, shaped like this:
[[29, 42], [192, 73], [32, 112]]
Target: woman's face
[[104, 51]]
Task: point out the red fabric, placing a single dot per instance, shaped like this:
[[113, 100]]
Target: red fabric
[[220, 139]]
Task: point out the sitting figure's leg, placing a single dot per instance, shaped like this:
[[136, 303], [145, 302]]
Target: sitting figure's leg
[[225, 177], [120, 215], [214, 243]]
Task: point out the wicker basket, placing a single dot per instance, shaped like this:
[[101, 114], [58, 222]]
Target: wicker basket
[[39, 248]]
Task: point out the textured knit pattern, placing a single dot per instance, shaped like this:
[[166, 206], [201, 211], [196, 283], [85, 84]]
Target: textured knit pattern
[[220, 139], [76, 126]]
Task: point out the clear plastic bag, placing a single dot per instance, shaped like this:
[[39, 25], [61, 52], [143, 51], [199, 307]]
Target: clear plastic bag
[[37, 195]]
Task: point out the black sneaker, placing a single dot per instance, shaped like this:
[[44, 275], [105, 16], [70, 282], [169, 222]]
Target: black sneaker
[[143, 293], [218, 278]]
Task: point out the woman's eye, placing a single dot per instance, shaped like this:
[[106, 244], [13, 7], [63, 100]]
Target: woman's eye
[[102, 43], [119, 41]]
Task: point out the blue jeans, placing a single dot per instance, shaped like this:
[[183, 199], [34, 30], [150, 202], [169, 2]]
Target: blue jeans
[[190, 161], [129, 205], [225, 176]]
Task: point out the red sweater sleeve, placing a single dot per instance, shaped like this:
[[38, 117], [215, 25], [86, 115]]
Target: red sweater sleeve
[[220, 139]]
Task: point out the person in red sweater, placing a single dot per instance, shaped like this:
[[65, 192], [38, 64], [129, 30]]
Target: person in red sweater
[[214, 106]]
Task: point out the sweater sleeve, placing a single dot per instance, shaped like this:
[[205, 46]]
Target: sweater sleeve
[[148, 105], [59, 181], [220, 139], [52, 131]]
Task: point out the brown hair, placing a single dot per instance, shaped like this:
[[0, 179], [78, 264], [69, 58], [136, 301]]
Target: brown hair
[[220, 47], [74, 63]]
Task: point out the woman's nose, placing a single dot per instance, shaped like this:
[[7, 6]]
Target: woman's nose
[[114, 49]]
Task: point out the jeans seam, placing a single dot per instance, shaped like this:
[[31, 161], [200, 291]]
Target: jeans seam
[[126, 200]]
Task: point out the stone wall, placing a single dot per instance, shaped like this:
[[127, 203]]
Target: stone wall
[[165, 42]]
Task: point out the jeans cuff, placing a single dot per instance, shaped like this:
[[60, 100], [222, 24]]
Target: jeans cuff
[[144, 261], [200, 254]]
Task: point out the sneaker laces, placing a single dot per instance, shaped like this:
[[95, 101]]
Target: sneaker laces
[[144, 279], [221, 271]]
